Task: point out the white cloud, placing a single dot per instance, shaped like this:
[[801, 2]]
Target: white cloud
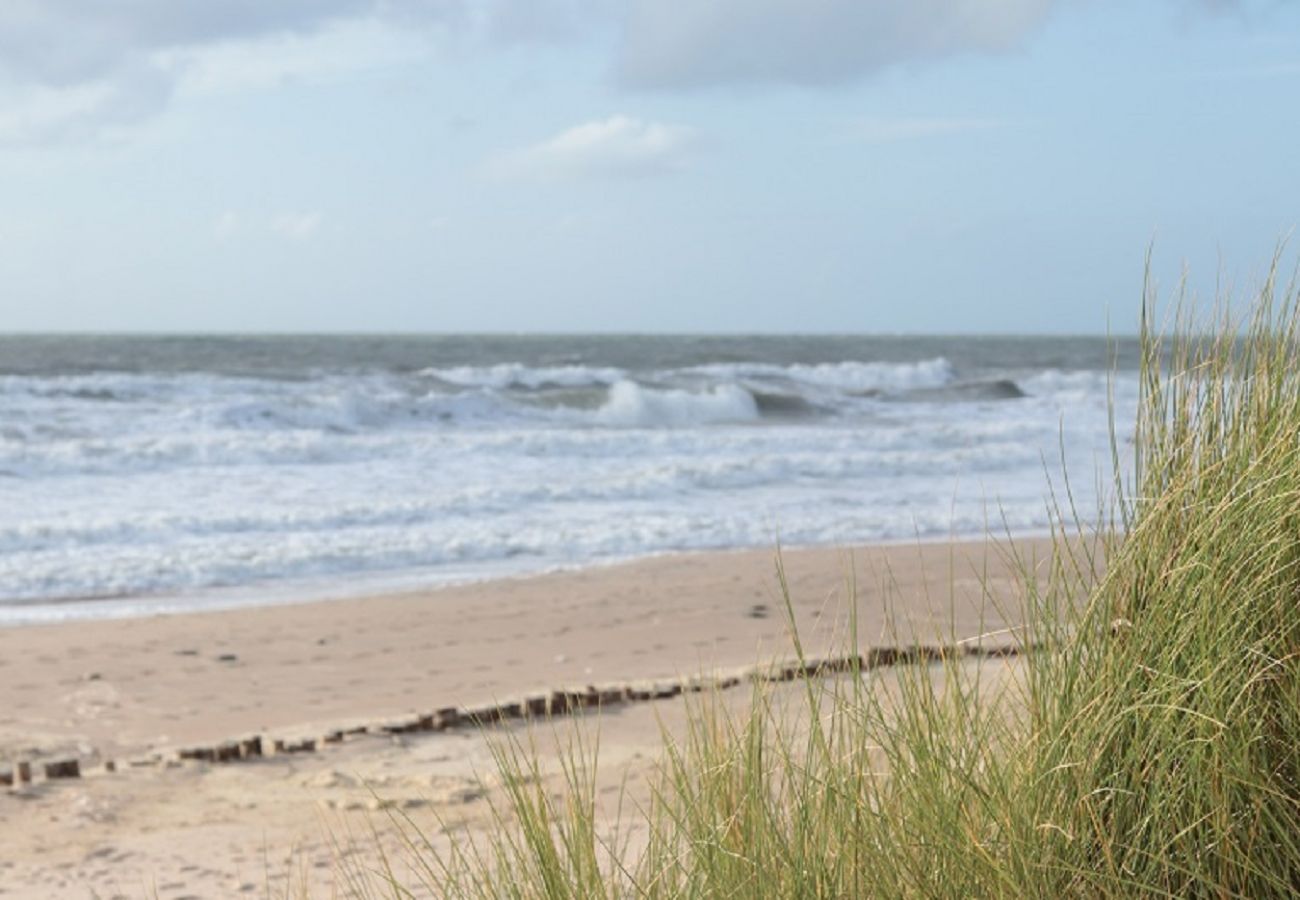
[[71, 69], [297, 226], [42, 114], [333, 53], [71, 41], [617, 146]]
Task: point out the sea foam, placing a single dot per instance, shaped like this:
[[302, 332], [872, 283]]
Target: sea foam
[[146, 484]]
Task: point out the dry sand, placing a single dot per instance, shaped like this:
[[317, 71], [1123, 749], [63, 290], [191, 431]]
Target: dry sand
[[122, 689]]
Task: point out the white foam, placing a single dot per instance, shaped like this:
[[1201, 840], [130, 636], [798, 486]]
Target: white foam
[[140, 485], [850, 376], [631, 404], [508, 375]]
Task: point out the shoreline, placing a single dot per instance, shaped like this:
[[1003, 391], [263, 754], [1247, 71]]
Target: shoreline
[[119, 687], [37, 613]]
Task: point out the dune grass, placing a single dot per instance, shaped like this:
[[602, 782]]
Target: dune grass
[[1148, 746]]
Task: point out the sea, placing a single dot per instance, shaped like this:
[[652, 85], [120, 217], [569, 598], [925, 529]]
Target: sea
[[158, 474]]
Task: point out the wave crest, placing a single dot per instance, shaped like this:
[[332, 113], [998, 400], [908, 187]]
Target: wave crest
[[503, 376], [631, 404], [859, 377]]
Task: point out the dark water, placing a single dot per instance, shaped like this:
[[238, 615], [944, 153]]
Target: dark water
[[296, 356]]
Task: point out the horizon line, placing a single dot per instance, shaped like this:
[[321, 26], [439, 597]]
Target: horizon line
[[559, 334]]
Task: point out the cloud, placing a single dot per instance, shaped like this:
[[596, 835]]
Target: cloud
[[72, 68], [297, 226], [43, 114], [335, 52], [796, 41], [617, 146], [546, 21], [662, 44], [65, 42]]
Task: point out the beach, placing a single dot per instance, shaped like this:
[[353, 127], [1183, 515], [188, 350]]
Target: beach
[[250, 583], [139, 690], [662, 450]]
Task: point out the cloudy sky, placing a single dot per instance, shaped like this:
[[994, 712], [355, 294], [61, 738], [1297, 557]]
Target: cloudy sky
[[635, 165]]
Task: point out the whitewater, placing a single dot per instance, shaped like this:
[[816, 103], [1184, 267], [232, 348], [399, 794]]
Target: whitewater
[[142, 475]]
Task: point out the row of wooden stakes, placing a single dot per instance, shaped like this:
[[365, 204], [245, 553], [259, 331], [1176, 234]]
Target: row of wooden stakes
[[21, 772], [533, 706]]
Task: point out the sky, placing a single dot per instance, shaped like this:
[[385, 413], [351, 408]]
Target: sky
[[935, 166]]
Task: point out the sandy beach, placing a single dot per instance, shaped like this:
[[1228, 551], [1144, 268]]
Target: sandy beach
[[143, 689]]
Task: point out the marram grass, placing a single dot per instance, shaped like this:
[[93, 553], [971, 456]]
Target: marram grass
[[1149, 746]]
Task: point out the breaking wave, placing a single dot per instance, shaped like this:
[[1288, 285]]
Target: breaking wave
[[128, 483]]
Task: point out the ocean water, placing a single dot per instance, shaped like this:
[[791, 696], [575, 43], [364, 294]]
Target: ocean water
[[145, 474]]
